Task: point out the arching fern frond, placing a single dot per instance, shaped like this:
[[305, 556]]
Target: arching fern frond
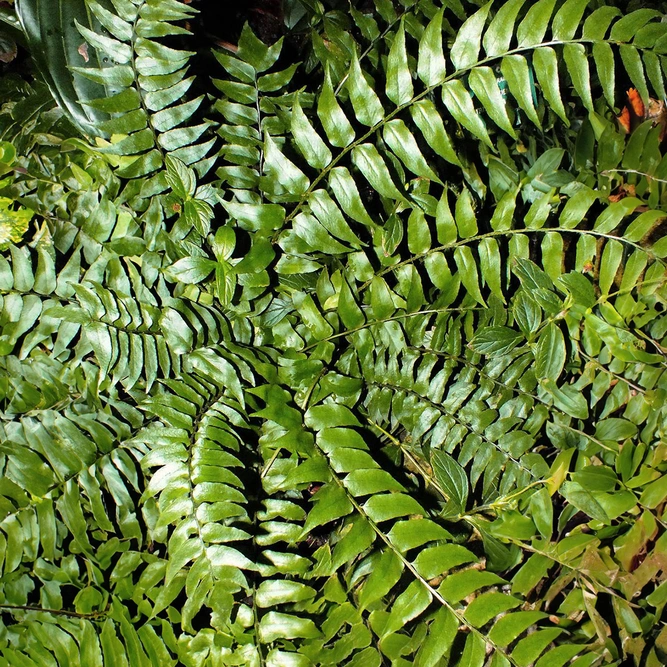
[[139, 109], [387, 386]]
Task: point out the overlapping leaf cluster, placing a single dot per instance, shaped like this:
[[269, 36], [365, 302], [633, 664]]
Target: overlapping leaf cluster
[[366, 368]]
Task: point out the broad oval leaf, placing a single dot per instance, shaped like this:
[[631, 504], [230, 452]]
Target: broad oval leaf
[[55, 57], [495, 340], [452, 478], [550, 354]]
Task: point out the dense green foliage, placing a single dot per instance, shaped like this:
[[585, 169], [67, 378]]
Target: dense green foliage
[[359, 360]]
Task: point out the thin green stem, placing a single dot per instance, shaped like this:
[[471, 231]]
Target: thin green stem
[[59, 612], [457, 74], [255, 616], [393, 318], [408, 565], [599, 443], [428, 478], [506, 232], [616, 376], [369, 48], [606, 172], [506, 500]]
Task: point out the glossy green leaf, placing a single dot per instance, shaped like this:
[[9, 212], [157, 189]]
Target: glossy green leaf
[[432, 128], [550, 354], [403, 144], [492, 340], [467, 267], [367, 106], [576, 59], [333, 119], [545, 64], [371, 164], [488, 605], [625, 28], [610, 263], [451, 477], [399, 78], [567, 399], [54, 57], [634, 67], [498, 36], [568, 19], [276, 164], [431, 65], [331, 218], [191, 270], [276, 625], [654, 493], [541, 510], [457, 100], [516, 71], [347, 194], [597, 24], [534, 25], [407, 606], [483, 83], [583, 500], [315, 151], [604, 62], [465, 50]]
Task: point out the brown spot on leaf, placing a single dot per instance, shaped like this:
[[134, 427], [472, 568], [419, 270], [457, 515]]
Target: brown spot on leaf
[[83, 51]]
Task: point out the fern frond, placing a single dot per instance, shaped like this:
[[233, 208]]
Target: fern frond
[[144, 83], [390, 389]]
